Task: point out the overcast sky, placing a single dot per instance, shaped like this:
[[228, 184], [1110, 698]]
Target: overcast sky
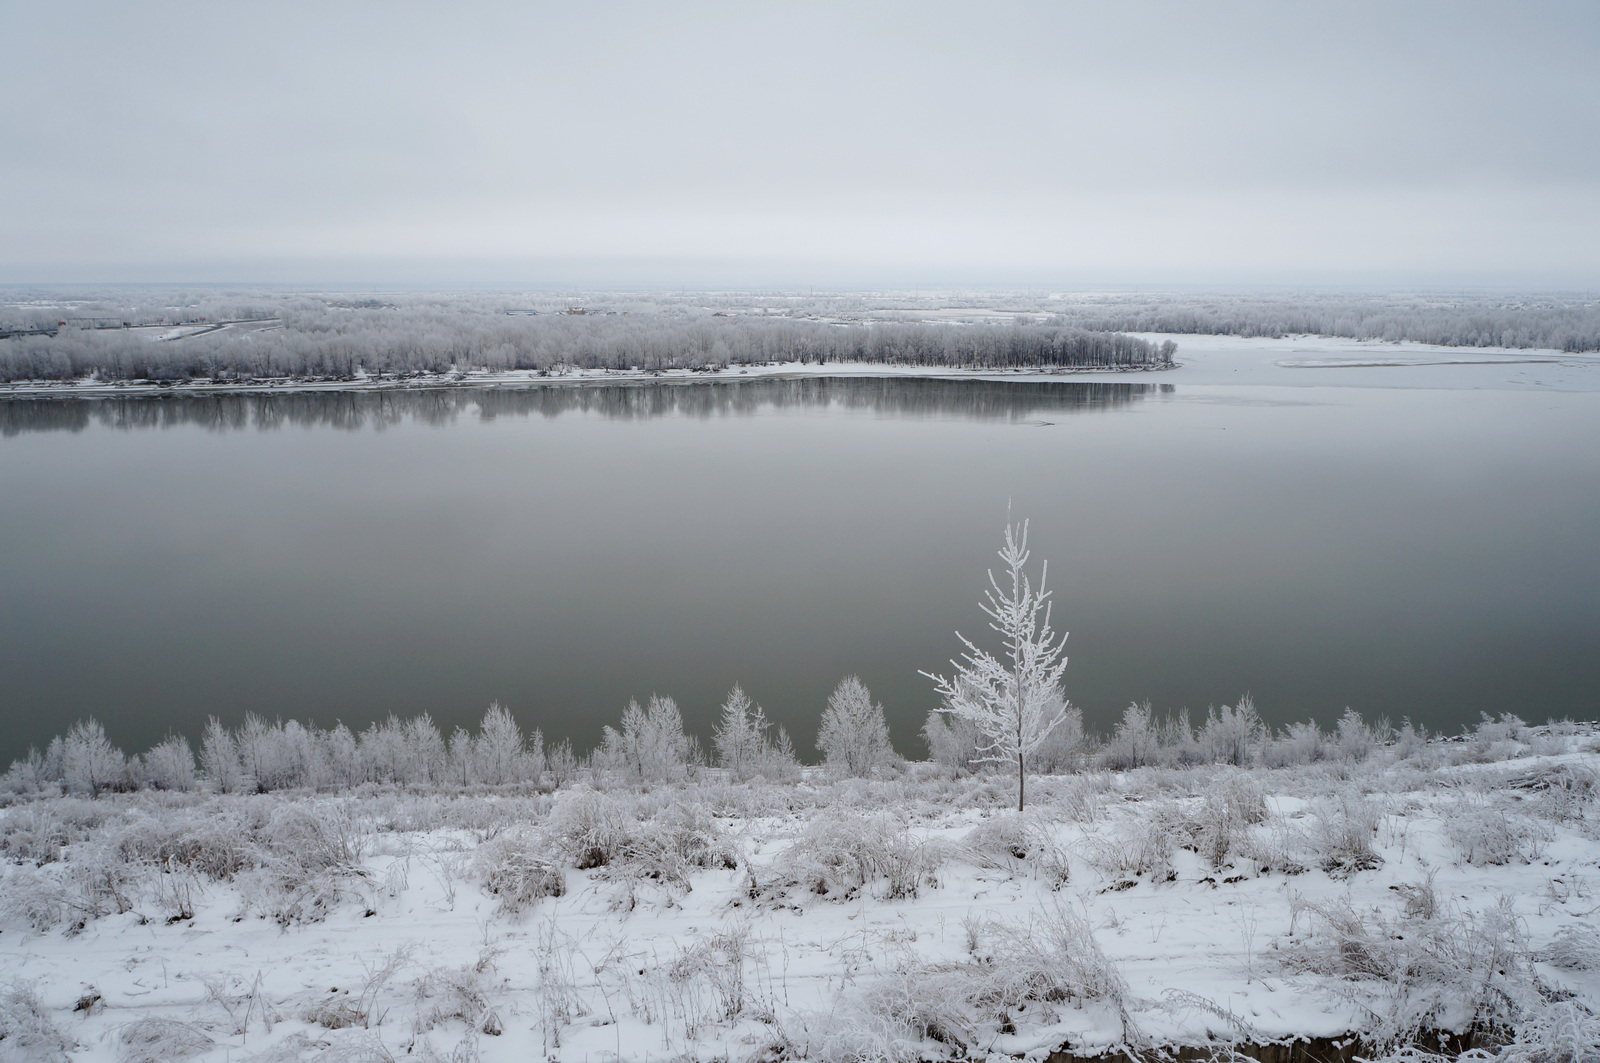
[[827, 144]]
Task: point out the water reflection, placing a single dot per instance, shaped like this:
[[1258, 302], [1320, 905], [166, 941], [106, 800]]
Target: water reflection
[[912, 397]]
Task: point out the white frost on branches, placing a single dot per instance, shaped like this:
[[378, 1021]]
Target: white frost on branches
[[854, 736], [743, 745], [1014, 700]]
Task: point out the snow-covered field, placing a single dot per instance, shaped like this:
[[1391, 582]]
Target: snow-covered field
[[1421, 887]]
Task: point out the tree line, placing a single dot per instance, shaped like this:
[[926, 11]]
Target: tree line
[[649, 745], [1570, 324], [1007, 710], [329, 342]]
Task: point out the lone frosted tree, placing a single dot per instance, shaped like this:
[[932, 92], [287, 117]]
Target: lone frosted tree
[[854, 736], [1014, 700]]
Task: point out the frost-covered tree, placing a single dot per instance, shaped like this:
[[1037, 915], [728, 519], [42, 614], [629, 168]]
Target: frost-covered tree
[[740, 734], [744, 745], [1232, 735], [1014, 700], [562, 763], [1298, 743], [28, 775], [341, 755], [169, 766], [651, 746], [778, 761], [1063, 748], [460, 756], [854, 736], [303, 762], [89, 762], [1355, 740], [499, 752], [1137, 741], [952, 742], [219, 759], [383, 751]]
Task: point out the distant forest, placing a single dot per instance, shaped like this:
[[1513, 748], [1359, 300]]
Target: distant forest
[[215, 334], [249, 336], [1569, 323]]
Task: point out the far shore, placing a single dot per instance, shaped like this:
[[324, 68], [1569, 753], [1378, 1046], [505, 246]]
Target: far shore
[[91, 387]]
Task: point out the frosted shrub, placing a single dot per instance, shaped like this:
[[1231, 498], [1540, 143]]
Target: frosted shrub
[[308, 865], [1343, 833], [1052, 957], [916, 1004], [1354, 740], [1416, 975], [1232, 735], [29, 775], [1410, 740], [314, 838], [214, 843], [32, 897], [1143, 846], [155, 1040], [1221, 826], [457, 994], [610, 834], [695, 837], [840, 855], [1005, 841], [35, 833], [1298, 744], [1564, 792], [592, 829], [1081, 799], [1560, 1031], [169, 766], [705, 983], [930, 1010], [1576, 947], [517, 869], [26, 1032], [1484, 836], [952, 742], [1493, 740]]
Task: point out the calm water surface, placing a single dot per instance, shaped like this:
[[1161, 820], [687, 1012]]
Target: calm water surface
[[1431, 554]]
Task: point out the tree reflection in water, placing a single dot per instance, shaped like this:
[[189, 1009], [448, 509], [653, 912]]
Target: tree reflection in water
[[355, 410]]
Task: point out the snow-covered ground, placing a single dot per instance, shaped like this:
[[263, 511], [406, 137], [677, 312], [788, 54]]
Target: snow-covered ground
[[1438, 887]]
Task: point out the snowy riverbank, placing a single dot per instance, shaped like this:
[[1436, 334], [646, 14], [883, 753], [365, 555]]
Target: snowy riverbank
[[1291, 361], [1445, 886]]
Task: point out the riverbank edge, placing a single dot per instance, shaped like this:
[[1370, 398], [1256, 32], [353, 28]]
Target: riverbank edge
[[90, 388]]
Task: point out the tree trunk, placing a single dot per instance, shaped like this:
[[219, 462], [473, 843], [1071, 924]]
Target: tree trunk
[[1022, 782]]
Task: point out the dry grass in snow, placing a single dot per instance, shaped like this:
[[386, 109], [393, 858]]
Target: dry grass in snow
[[1429, 890]]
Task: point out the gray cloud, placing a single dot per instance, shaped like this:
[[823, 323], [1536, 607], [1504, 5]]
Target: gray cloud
[[823, 142]]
